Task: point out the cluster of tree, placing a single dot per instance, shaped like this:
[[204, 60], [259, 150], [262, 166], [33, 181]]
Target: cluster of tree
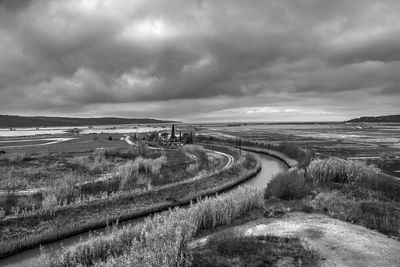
[[389, 118]]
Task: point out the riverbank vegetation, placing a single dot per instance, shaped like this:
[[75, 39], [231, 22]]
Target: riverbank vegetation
[[162, 240], [299, 154], [54, 222], [347, 190], [56, 179]]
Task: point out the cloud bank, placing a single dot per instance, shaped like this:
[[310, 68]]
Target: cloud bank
[[200, 60]]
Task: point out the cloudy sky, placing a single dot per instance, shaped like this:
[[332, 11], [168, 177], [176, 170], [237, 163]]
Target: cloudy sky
[[200, 60]]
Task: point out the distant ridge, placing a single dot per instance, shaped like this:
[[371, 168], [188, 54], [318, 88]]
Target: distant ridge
[[12, 121], [388, 118]]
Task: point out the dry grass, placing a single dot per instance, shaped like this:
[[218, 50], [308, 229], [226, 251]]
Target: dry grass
[[381, 216], [15, 157], [335, 170], [230, 248], [353, 174], [159, 241]]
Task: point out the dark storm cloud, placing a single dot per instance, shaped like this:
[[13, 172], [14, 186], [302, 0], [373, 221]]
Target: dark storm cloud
[[15, 5], [66, 56]]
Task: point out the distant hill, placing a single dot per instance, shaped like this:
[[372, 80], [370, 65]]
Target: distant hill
[[11, 121], [388, 118]]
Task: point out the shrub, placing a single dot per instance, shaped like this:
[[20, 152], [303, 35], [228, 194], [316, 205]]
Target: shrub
[[64, 189], [157, 163], [336, 170], [288, 185], [192, 167], [49, 202], [383, 217], [127, 173], [232, 248], [334, 203], [357, 173], [387, 185], [301, 155], [10, 202]]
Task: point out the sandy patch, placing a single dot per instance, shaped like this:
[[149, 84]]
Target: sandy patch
[[338, 243]]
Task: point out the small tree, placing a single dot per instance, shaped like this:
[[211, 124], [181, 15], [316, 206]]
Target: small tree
[[173, 132], [154, 136]]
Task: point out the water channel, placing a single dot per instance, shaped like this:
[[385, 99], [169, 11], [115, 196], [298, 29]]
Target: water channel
[[269, 167]]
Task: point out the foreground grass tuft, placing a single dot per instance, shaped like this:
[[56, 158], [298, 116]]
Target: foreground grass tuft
[[159, 241], [229, 248]]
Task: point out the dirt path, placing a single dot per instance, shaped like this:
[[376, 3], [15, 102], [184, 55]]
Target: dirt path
[[231, 159], [338, 243], [48, 141]]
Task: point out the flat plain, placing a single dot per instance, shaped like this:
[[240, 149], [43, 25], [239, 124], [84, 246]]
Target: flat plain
[[375, 143]]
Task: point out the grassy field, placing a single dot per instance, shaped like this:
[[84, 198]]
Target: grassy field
[[349, 190], [55, 219], [374, 143], [162, 240], [353, 191]]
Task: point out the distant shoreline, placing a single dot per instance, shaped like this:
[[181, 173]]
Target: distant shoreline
[[13, 121]]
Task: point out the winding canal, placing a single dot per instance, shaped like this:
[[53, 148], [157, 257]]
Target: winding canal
[[269, 167]]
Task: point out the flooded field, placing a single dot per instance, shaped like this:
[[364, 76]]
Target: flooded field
[[16, 132], [376, 143]]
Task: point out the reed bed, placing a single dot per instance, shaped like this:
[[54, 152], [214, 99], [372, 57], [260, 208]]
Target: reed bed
[[161, 240]]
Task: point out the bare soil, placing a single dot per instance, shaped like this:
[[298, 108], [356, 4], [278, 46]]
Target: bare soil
[[336, 243]]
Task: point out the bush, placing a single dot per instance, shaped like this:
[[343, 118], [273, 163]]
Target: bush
[[383, 217], [335, 170], [333, 203], [65, 189], [355, 173], [127, 173], [380, 216], [49, 202], [301, 155], [191, 168], [288, 186], [232, 248]]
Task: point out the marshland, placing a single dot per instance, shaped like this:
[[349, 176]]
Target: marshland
[[199, 133]]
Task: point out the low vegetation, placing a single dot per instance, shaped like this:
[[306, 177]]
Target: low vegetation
[[352, 191], [61, 180], [288, 186], [162, 240], [11, 158], [229, 248], [26, 230], [301, 155], [348, 190]]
